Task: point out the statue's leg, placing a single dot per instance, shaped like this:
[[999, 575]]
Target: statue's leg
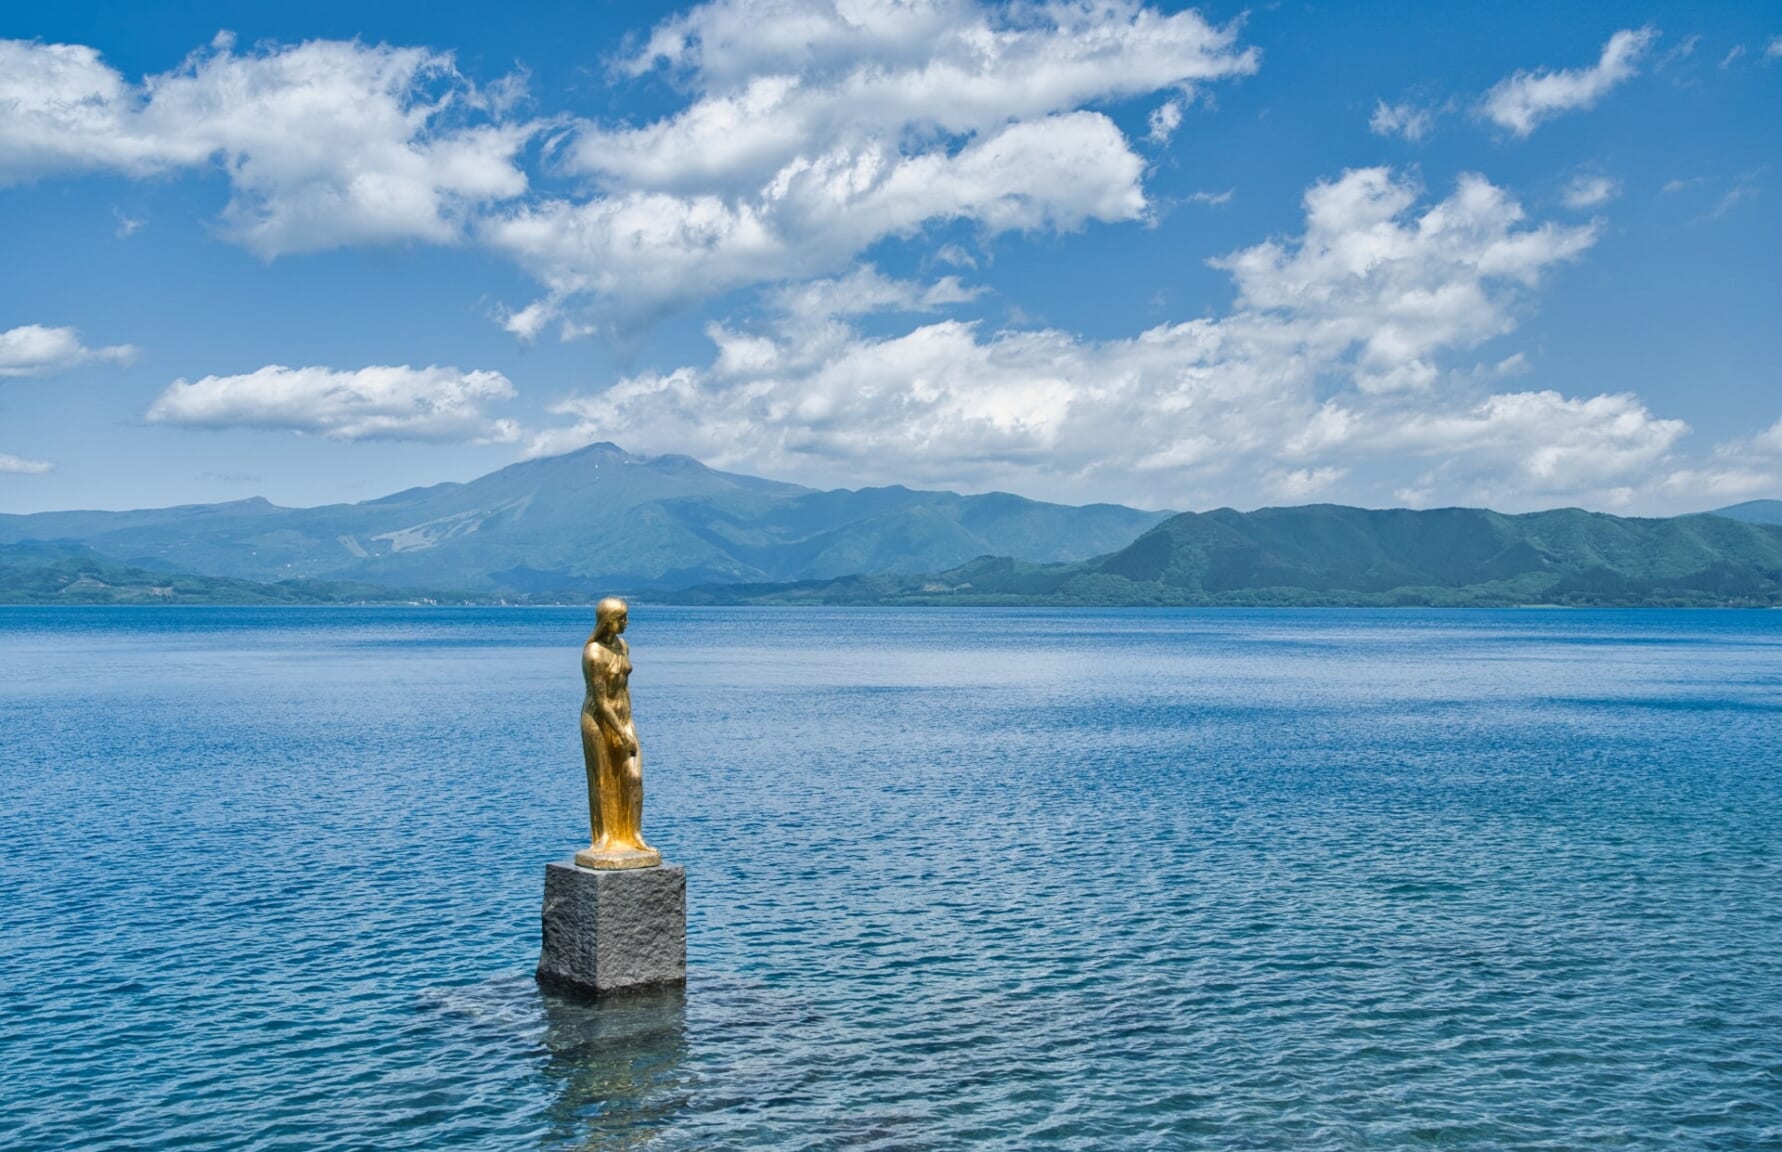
[[612, 796], [634, 797], [591, 757]]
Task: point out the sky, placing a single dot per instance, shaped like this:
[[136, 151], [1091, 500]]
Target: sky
[[1520, 255]]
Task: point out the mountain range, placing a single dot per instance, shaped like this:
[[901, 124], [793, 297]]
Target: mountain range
[[591, 521], [1754, 512], [603, 520], [1325, 554]]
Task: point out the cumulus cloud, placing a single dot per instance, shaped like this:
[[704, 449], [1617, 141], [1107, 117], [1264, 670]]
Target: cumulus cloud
[[18, 464], [1773, 50], [1412, 121], [816, 128], [325, 143], [1397, 289], [808, 131], [642, 251], [1523, 101], [1510, 445], [376, 403], [34, 350], [1590, 191], [1327, 371], [832, 72], [1736, 469]]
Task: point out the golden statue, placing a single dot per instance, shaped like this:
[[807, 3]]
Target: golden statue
[[609, 745]]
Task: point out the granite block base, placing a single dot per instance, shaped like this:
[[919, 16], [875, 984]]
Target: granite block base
[[613, 930]]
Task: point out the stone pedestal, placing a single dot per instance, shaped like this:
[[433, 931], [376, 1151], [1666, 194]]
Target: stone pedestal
[[607, 931]]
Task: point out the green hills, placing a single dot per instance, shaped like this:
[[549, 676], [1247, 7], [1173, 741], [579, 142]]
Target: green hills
[[1325, 554]]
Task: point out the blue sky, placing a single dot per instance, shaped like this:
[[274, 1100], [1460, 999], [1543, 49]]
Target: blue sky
[[1521, 255]]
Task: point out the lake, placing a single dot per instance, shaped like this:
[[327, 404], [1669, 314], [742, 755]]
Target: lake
[[1221, 879]]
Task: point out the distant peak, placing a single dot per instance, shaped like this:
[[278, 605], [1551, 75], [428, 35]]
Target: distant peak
[[598, 448], [408, 494], [250, 504], [674, 462]]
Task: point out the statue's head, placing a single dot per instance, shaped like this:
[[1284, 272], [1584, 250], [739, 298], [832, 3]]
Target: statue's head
[[610, 616]]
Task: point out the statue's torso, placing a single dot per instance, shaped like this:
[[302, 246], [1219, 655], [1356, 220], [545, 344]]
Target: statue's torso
[[609, 675]]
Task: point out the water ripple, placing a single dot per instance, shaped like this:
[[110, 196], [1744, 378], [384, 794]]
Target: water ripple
[[1005, 880]]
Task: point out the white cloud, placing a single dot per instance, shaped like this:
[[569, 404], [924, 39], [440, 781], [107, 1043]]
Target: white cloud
[[1300, 484], [835, 72], [1512, 444], [376, 403], [1732, 55], [866, 290], [816, 128], [1773, 50], [34, 350], [1743, 188], [641, 251], [956, 256], [1588, 191], [1163, 121], [1683, 51], [810, 130], [1738, 189], [1212, 199], [528, 322], [325, 143], [18, 464], [1412, 121], [1770, 441], [1515, 364], [1326, 373], [1521, 102], [1396, 289], [1737, 469]]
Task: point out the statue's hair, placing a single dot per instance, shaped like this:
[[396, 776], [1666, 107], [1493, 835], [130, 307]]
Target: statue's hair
[[605, 612]]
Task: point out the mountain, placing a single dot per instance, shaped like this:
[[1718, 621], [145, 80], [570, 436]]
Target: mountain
[[1754, 512], [33, 572], [1326, 554], [598, 519]]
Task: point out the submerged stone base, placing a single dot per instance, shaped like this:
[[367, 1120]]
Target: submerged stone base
[[612, 930]]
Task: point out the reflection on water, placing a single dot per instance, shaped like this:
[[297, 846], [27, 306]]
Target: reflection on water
[[614, 1067]]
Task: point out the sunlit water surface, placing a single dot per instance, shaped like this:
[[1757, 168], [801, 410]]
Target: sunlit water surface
[[1007, 880]]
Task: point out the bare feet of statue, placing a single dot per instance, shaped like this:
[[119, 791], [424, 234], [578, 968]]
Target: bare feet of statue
[[610, 858]]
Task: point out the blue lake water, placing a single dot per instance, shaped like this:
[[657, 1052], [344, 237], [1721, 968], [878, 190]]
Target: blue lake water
[[270, 879]]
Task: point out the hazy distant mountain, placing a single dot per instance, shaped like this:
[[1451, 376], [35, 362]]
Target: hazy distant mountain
[[1327, 554], [1754, 512], [594, 520]]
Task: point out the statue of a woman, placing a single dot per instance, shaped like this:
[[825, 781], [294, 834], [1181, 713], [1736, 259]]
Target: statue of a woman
[[609, 745]]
